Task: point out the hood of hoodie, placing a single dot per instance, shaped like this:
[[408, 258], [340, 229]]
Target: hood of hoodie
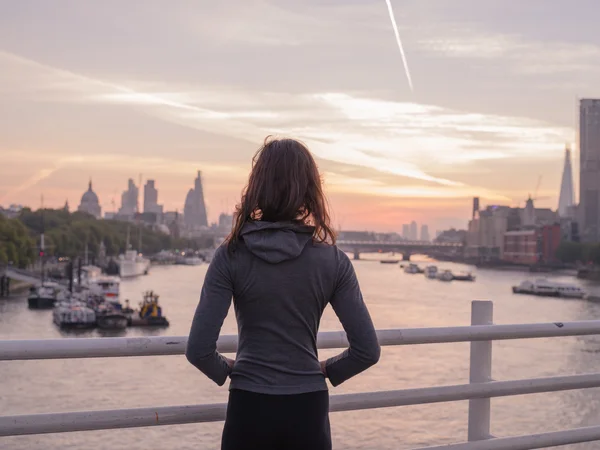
[[275, 242]]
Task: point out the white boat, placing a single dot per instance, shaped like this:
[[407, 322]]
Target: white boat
[[133, 264], [546, 288], [445, 275], [431, 272], [412, 269], [101, 285], [73, 314], [192, 261]]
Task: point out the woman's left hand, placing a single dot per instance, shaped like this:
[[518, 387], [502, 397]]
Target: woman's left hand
[[230, 362]]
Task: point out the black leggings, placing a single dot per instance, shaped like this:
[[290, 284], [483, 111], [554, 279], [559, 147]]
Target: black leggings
[[273, 422]]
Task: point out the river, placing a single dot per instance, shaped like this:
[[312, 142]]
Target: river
[[395, 300]]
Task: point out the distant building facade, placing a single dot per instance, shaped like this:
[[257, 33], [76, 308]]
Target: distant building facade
[[413, 231], [151, 205], [532, 246], [589, 167], [129, 201], [451, 236], [194, 212], [425, 233], [90, 203], [406, 231], [225, 222], [12, 211]]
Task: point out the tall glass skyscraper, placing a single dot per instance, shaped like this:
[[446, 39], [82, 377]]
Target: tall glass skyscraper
[[589, 187], [566, 199]]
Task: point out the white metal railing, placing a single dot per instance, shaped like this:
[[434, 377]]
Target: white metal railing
[[479, 391]]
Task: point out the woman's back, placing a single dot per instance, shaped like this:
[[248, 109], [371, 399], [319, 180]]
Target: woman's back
[[281, 268], [281, 282]]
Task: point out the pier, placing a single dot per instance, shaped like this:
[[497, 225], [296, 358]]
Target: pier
[[479, 390]]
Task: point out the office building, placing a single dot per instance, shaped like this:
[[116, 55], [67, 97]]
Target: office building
[[129, 201], [589, 170], [151, 200], [413, 231], [194, 212], [425, 233], [566, 198]]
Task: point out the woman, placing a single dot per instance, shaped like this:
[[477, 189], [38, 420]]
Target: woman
[[281, 267]]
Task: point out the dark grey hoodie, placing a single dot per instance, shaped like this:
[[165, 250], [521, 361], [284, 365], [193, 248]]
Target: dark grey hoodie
[[280, 282]]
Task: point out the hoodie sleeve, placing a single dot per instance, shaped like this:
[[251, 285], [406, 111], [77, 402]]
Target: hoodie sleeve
[[215, 301], [348, 304]]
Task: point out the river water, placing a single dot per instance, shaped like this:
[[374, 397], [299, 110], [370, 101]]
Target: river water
[[395, 300]]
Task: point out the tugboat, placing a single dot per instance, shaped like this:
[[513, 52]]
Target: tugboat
[[46, 295], [150, 313]]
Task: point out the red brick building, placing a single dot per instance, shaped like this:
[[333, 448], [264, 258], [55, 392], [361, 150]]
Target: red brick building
[[532, 246], [521, 247]]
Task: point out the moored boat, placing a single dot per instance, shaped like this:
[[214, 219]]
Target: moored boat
[[46, 295], [112, 321], [73, 314], [150, 313], [467, 276], [133, 264], [445, 275], [389, 261], [413, 269], [546, 288], [431, 272]]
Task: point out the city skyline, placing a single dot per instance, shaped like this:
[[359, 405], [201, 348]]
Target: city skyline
[[105, 109]]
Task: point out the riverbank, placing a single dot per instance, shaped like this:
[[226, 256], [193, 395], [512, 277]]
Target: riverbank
[[589, 273]]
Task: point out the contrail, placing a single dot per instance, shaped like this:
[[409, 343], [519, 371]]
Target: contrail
[[399, 42]]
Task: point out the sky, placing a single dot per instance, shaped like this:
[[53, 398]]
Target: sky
[[114, 90]]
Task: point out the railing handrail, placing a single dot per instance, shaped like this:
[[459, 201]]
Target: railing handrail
[[173, 415], [175, 345], [480, 389]]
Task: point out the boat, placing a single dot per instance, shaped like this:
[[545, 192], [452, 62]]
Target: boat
[[104, 286], [445, 275], [73, 314], [112, 321], [413, 269], [431, 272], [133, 264], [546, 288], [190, 260], [465, 276], [150, 313], [46, 295], [389, 261]]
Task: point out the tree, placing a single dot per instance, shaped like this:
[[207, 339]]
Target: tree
[[570, 252], [594, 254]]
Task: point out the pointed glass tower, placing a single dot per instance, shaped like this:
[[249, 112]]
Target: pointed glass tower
[[566, 199]]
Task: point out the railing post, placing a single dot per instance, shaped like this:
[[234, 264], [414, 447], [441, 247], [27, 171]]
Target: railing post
[[480, 372]]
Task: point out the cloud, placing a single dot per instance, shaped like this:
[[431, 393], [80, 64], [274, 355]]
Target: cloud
[[522, 56]]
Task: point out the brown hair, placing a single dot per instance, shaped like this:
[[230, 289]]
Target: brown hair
[[284, 185]]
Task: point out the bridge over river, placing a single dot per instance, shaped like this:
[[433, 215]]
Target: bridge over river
[[406, 248]]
